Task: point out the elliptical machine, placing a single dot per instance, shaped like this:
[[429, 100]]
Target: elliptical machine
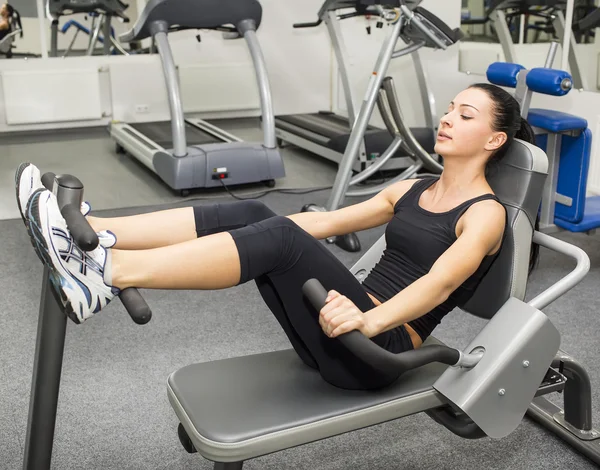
[[417, 28]]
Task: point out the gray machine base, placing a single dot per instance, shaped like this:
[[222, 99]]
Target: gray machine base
[[242, 162]]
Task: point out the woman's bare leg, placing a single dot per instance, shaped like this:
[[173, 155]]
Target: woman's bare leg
[[152, 230], [210, 262]]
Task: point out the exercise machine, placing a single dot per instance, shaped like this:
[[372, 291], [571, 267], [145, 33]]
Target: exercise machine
[[326, 133], [240, 408], [52, 327], [101, 12], [191, 153], [417, 28], [114, 46], [500, 13]]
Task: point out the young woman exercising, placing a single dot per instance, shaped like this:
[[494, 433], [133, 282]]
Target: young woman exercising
[[442, 236]]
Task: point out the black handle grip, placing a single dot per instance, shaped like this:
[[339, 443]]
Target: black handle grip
[[382, 360], [307, 25], [48, 180], [136, 306], [80, 229]]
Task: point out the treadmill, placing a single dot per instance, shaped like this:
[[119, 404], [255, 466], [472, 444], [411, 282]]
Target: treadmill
[[192, 153], [325, 133]]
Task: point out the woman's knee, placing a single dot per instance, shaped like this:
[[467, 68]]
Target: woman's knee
[[258, 210]]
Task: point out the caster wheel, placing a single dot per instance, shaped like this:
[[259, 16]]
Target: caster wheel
[[312, 208], [184, 192], [119, 149], [348, 242], [185, 440], [269, 183]]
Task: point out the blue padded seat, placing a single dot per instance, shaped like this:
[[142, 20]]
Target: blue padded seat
[[555, 121], [590, 220]]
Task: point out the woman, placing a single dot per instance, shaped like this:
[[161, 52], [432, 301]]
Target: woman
[[442, 236], [6, 15]]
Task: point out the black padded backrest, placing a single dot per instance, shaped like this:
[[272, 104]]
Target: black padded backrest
[[518, 182], [194, 14]]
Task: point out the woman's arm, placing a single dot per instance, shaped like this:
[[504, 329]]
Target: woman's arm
[[482, 230], [372, 213]]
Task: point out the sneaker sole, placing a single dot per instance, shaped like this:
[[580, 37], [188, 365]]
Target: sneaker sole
[[20, 171], [42, 250]]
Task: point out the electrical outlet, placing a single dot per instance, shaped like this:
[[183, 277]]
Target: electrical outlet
[[142, 109]]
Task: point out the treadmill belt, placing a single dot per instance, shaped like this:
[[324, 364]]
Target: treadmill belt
[[160, 132], [327, 124]]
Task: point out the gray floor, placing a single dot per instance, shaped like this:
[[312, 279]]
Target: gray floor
[[113, 411]]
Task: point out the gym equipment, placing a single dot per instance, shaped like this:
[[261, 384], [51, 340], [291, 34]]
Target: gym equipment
[[500, 13], [212, 157], [116, 47], [52, 326], [16, 29], [417, 28], [325, 133], [236, 409], [101, 11], [567, 142]]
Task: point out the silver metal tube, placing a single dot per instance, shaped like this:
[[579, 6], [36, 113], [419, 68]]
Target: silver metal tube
[[378, 163], [175, 104], [118, 46], [568, 27], [549, 192], [427, 96], [71, 43], [54, 38], [420, 153], [570, 280], [551, 55], [499, 19], [522, 29], [106, 34], [95, 33], [406, 174], [408, 49], [264, 88], [362, 121], [339, 48]]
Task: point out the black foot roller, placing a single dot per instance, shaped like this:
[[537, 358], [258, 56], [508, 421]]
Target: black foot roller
[[348, 242]]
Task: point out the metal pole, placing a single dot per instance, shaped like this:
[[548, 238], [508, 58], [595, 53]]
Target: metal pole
[[54, 38], [106, 34], [499, 19], [42, 24], [567, 35], [95, 34], [549, 192], [159, 32], [362, 121], [248, 29], [47, 366], [551, 55]]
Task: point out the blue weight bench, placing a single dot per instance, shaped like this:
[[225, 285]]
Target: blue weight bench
[[566, 140]]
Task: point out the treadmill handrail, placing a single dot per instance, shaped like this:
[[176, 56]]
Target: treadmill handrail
[[428, 161]]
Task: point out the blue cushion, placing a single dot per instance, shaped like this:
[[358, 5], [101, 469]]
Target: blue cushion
[[591, 218], [503, 74], [549, 81], [555, 121], [572, 173]]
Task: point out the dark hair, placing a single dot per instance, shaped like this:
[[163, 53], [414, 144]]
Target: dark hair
[[506, 117]]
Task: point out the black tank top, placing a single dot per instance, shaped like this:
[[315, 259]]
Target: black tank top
[[415, 239]]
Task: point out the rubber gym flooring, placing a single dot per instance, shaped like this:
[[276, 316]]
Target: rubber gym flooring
[[113, 410]]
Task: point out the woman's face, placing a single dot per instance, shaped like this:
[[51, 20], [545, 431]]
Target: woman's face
[[4, 11], [466, 129]]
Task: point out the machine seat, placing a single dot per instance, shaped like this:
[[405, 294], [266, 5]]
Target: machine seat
[[590, 220], [240, 408], [555, 121]]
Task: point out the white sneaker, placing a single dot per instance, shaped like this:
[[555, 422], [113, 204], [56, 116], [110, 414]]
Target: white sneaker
[[77, 276], [27, 180]]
